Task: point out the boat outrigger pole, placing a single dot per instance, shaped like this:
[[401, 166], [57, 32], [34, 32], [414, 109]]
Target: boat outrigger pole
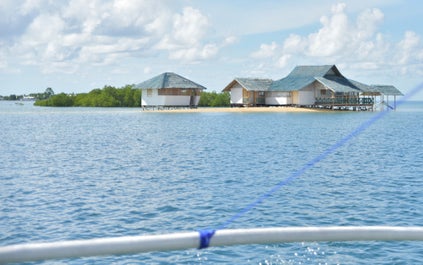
[[187, 240]]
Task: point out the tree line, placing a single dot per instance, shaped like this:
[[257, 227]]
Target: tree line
[[37, 96], [126, 96], [108, 96]]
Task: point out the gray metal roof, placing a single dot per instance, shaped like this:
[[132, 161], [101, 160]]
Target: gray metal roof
[[387, 90], [361, 86], [302, 76], [169, 80], [291, 83], [338, 84], [251, 84], [315, 70]]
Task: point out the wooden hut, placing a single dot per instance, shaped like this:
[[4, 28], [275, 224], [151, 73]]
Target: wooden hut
[[169, 90], [248, 91], [320, 86]]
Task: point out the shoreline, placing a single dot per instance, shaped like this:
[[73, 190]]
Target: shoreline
[[236, 110]]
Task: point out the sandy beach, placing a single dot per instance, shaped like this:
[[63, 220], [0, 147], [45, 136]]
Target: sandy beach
[[241, 110]]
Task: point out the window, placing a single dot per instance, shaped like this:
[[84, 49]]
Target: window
[[149, 92], [175, 92], [323, 92]]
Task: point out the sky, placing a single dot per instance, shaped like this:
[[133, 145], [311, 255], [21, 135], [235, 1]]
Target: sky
[[75, 46]]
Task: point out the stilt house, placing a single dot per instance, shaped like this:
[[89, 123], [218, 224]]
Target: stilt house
[[248, 91], [320, 85], [170, 90], [311, 86]]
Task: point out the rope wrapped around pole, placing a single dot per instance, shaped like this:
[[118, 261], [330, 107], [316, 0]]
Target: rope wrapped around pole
[[180, 241]]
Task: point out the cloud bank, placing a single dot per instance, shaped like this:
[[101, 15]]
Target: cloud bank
[[82, 43], [353, 43], [58, 36]]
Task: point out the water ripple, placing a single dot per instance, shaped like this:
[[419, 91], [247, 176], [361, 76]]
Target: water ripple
[[87, 173]]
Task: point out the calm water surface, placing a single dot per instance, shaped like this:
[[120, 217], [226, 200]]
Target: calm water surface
[[80, 173]]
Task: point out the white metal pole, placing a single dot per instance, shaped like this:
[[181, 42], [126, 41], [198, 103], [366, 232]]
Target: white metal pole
[[179, 241], [98, 247]]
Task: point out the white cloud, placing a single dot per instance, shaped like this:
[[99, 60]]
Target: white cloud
[[293, 44], [410, 54], [368, 22], [283, 60], [189, 27], [354, 44], [30, 6], [79, 36], [61, 36], [230, 40], [43, 29], [333, 36], [185, 41], [265, 51], [410, 48]]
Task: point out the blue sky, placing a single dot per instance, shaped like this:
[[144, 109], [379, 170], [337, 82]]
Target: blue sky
[[78, 45]]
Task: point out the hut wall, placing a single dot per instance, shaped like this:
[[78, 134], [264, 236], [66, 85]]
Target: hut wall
[[305, 96], [152, 98], [276, 98], [176, 100], [236, 94]]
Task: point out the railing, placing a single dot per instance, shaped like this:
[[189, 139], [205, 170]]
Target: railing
[[257, 101], [180, 241], [344, 101]]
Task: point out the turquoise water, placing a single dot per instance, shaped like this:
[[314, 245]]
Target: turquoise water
[[81, 173]]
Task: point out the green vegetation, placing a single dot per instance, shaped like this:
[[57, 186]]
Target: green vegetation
[[109, 96], [12, 97], [213, 99]]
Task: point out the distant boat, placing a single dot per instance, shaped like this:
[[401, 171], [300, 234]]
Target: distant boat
[[28, 98]]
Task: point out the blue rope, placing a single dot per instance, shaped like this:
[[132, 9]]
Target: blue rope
[[205, 235]]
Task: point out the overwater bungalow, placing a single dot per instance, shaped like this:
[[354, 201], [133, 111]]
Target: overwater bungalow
[[169, 90], [320, 86], [248, 91]]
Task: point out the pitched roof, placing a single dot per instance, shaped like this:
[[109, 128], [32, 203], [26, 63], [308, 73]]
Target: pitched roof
[[169, 80], [315, 70], [251, 84], [336, 84], [361, 86], [387, 90], [302, 76]]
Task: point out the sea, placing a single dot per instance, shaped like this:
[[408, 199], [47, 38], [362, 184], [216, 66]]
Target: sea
[[85, 173]]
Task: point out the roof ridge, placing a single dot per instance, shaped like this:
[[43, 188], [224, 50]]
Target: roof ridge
[[165, 77], [170, 79]]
